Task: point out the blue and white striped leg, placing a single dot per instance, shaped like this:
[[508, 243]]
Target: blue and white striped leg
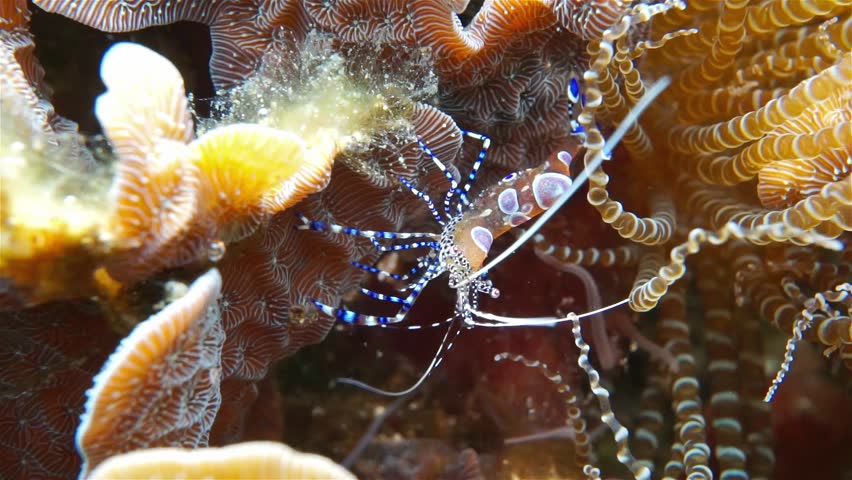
[[387, 298], [422, 263], [403, 246], [486, 143], [354, 318], [454, 185], [425, 197], [308, 224], [395, 276], [416, 288], [418, 327], [575, 96]]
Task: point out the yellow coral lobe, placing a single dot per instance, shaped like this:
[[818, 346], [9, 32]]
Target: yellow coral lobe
[[154, 206], [173, 196], [243, 460], [145, 115], [250, 172], [138, 399], [50, 214], [154, 220], [154, 197], [145, 103]]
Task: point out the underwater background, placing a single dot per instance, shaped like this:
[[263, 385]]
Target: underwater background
[[159, 287]]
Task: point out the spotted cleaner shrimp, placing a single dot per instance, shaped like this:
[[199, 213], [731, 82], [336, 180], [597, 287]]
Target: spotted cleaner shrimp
[[468, 229]]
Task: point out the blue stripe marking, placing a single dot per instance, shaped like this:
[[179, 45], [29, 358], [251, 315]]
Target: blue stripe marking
[[377, 271], [574, 90]]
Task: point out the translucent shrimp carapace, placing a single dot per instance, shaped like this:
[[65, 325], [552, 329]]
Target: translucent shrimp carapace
[[509, 203]]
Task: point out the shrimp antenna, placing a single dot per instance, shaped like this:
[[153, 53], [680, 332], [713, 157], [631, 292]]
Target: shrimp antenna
[[436, 360], [503, 321], [650, 95]]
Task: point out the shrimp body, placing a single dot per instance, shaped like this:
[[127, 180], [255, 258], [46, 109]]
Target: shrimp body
[[509, 203], [468, 229]]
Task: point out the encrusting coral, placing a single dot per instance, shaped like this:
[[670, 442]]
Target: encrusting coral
[[174, 199], [248, 460], [175, 196], [50, 231], [720, 213], [49, 355], [161, 385]]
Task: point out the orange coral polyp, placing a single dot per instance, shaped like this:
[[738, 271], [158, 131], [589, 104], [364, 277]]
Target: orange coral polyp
[[250, 172], [172, 195]]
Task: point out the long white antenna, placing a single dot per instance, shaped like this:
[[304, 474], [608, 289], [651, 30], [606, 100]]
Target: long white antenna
[[436, 360], [536, 321], [643, 103]]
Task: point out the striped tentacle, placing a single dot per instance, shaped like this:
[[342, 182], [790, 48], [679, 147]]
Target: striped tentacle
[[722, 338], [621, 256], [757, 424], [625, 456], [690, 451], [647, 435], [582, 452]]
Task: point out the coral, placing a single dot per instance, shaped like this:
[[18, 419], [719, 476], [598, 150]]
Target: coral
[[49, 229], [161, 385], [808, 152], [243, 460], [174, 196], [25, 91], [239, 31], [48, 356]]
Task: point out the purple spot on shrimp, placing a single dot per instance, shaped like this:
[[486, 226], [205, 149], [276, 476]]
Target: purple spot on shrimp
[[482, 237], [548, 187], [517, 219], [508, 200], [565, 158]]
